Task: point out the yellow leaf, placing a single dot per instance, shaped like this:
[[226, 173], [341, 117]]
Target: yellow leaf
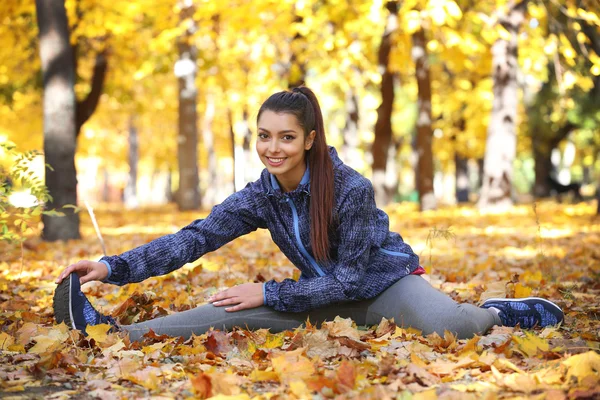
[[453, 9], [292, 365], [341, 327], [300, 390], [522, 291], [225, 383], [98, 332], [241, 396], [273, 341], [583, 365], [6, 340], [418, 361], [412, 22], [531, 344], [44, 344], [532, 278], [259, 376]]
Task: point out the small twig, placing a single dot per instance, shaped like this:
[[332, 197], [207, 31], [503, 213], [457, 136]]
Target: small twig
[[95, 223]]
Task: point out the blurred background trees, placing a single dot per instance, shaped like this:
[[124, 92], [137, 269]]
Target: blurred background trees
[[437, 101]]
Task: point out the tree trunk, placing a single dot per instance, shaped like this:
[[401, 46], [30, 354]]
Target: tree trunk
[[350, 132], [462, 178], [210, 196], [131, 200], [424, 152], [297, 67], [247, 158], [383, 126], [501, 144], [59, 118], [598, 198], [188, 194], [234, 159]]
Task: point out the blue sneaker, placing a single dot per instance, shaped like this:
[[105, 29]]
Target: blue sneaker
[[526, 312], [74, 309]]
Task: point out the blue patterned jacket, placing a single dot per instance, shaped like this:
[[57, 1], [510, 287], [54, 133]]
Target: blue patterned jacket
[[366, 258]]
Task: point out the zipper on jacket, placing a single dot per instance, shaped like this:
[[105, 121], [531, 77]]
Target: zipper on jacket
[[394, 253], [297, 232]]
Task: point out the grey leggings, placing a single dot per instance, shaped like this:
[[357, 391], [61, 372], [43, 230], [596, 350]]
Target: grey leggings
[[411, 301]]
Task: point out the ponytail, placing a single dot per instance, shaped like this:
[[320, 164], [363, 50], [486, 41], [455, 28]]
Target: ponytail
[[321, 183]]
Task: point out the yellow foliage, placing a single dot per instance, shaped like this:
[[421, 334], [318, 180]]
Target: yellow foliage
[[582, 366]]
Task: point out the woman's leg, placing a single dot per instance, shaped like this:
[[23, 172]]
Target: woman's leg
[[200, 319], [413, 302]]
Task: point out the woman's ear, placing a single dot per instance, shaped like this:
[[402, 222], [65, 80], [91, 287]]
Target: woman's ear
[[309, 140]]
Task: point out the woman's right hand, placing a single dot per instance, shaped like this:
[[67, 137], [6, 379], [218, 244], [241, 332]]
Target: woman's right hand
[[86, 270]]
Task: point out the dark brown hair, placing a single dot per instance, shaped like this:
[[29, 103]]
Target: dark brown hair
[[302, 103]]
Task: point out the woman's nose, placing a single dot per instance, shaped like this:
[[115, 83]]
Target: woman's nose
[[274, 146]]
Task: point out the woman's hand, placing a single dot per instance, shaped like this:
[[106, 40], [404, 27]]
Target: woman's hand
[[87, 271], [248, 295]]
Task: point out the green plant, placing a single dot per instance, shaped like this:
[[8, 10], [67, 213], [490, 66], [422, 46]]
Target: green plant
[[17, 222]]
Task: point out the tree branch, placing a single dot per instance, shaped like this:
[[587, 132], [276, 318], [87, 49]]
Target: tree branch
[[86, 107]]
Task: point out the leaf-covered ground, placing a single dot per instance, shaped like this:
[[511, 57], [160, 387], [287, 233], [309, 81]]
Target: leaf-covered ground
[[546, 250]]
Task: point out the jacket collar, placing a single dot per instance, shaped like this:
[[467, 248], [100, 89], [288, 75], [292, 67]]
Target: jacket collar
[[303, 185]]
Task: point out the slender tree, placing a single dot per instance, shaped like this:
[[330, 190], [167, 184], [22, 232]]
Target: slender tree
[[60, 128], [188, 194], [501, 143], [383, 126], [424, 175], [131, 198]]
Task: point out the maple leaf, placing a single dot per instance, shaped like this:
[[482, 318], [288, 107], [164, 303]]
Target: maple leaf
[[342, 327], [98, 332], [6, 341], [292, 365], [202, 385], [218, 343], [582, 366], [531, 344]]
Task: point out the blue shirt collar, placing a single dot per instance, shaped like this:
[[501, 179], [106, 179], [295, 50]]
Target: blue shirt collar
[[304, 181]]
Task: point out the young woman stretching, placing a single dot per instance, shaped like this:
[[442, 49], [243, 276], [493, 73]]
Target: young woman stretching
[[323, 217]]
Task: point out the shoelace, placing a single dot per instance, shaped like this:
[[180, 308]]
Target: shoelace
[[525, 318]]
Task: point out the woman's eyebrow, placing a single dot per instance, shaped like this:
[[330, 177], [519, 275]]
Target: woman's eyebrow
[[280, 132]]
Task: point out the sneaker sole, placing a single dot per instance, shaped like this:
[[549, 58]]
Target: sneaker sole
[[548, 302], [61, 302]]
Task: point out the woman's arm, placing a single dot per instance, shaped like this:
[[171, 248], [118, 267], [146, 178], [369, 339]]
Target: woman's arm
[[357, 219], [235, 217]]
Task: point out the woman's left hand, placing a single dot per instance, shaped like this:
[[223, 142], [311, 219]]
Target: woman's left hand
[[248, 295]]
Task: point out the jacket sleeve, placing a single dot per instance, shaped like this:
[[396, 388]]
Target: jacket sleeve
[[235, 217], [343, 282]]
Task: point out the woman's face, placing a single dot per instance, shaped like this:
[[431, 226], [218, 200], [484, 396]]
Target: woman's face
[[281, 146]]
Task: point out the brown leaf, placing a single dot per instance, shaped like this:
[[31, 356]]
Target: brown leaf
[[217, 342], [341, 327], [346, 376], [385, 326], [202, 385]]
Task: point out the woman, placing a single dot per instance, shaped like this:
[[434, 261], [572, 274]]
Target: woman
[[323, 217]]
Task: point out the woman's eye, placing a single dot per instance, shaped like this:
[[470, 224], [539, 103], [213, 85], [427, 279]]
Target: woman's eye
[[288, 137], [263, 136]]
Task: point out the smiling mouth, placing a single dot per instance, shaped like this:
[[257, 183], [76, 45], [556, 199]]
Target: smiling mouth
[[275, 161]]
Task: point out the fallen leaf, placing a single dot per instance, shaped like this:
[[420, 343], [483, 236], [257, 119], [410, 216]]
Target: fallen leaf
[[292, 365], [342, 327], [98, 332], [582, 366], [531, 344], [6, 341], [202, 385]]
